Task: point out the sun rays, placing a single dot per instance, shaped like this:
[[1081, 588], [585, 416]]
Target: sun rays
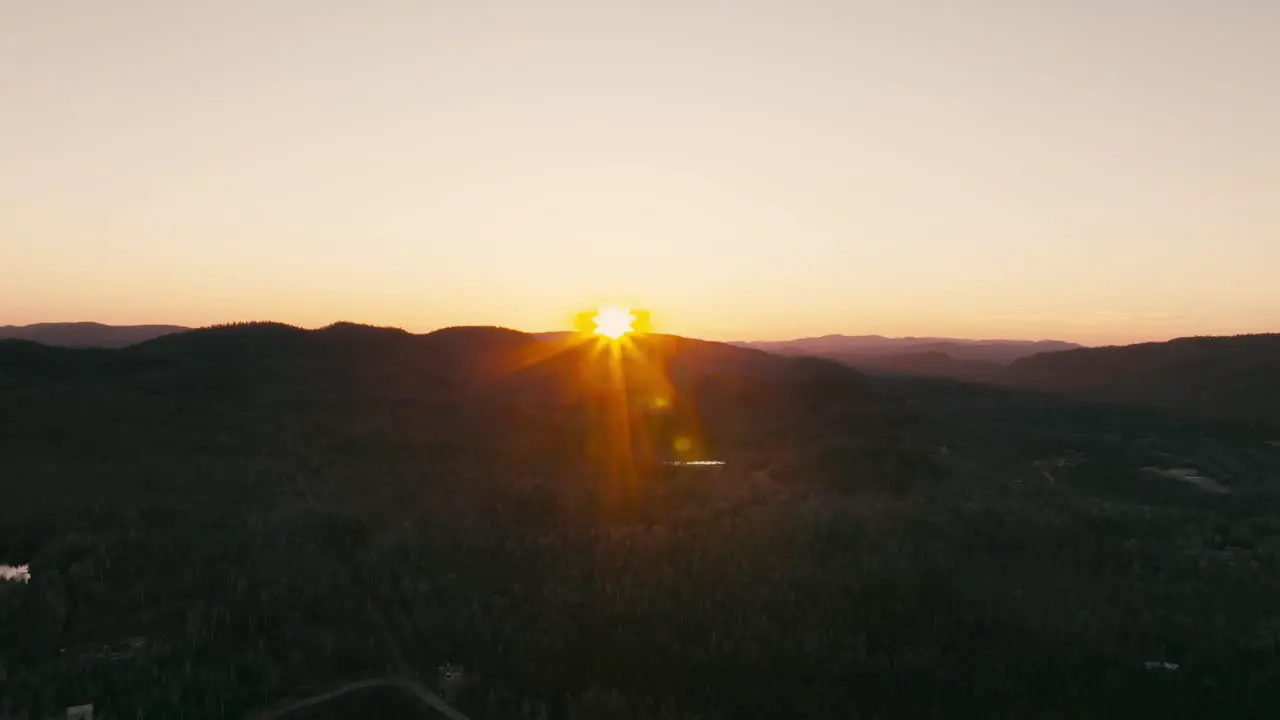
[[613, 374]]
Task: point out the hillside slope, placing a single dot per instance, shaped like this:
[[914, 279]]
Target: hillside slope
[[1222, 377], [219, 520]]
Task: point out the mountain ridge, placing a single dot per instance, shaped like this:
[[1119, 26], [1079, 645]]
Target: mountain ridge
[[997, 350], [87, 334], [1234, 376]]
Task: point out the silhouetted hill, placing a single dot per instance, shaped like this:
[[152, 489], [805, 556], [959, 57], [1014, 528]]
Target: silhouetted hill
[[476, 383], [927, 364], [86, 334], [997, 351], [263, 362], [555, 335], [21, 360], [218, 520], [1225, 377], [848, 347]]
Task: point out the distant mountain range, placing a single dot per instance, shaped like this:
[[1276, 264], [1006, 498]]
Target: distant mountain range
[[87, 334], [844, 347], [1226, 378], [869, 346]]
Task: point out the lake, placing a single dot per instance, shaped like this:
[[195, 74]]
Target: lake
[[21, 573]]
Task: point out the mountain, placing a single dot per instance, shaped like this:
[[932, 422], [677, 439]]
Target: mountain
[[855, 346], [960, 359], [229, 520], [1223, 377], [464, 386], [86, 334]]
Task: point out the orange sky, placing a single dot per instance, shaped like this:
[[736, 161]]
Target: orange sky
[[1086, 170]]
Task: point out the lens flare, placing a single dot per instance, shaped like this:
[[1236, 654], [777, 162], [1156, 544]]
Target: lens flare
[[613, 322]]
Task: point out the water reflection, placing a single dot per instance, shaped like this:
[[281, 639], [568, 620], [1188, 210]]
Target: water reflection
[[20, 573], [694, 462]]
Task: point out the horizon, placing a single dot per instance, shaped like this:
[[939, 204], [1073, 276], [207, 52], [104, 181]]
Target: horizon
[[1087, 171], [659, 330]]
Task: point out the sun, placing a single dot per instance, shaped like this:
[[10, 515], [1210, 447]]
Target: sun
[[613, 322]]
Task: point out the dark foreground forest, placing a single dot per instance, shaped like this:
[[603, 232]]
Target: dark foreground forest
[[219, 522]]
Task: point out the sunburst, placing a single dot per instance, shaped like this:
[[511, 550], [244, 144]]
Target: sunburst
[[613, 322]]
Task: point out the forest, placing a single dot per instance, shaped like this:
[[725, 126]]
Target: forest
[[219, 521]]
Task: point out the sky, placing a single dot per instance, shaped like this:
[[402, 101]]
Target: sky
[[1102, 171]]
